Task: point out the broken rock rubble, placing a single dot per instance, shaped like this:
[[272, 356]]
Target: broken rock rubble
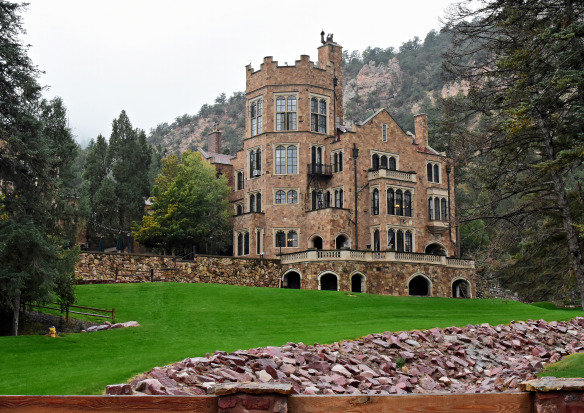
[[472, 359]]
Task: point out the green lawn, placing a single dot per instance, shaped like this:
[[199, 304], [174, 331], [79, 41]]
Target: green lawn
[[187, 320]]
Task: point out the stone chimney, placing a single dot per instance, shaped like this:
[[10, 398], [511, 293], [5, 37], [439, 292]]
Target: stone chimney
[[421, 129], [214, 144]]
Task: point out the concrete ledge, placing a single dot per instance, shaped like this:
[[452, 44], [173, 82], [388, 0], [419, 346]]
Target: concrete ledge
[[546, 384], [253, 388]]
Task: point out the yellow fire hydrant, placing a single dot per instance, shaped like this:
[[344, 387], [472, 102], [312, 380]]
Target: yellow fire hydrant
[[52, 331]]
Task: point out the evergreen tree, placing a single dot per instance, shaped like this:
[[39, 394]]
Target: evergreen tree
[[36, 153], [524, 64]]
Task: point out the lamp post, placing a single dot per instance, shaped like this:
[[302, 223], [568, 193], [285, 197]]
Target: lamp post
[[355, 155]]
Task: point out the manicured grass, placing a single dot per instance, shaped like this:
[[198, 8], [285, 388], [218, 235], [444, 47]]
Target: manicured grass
[[570, 366], [188, 320]]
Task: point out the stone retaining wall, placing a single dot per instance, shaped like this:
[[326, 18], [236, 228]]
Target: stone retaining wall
[[379, 277]]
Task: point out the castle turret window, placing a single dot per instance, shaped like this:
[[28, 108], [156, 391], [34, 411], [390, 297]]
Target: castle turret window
[[292, 197], [280, 197], [286, 113], [375, 202], [433, 172], [286, 159], [318, 115], [255, 115]]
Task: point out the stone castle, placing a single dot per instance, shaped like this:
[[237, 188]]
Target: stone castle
[[365, 208]]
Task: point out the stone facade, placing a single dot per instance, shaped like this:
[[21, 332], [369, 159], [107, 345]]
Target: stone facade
[[374, 277], [307, 177]]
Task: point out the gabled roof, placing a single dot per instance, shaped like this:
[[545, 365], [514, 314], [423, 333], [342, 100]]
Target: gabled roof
[[374, 115], [216, 157]]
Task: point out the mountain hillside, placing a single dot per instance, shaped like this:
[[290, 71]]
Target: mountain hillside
[[406, 82]]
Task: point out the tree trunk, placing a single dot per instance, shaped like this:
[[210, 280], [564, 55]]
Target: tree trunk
[[15, 313], [571, 233]]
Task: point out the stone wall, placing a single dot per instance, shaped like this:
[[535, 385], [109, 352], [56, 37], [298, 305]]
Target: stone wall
[[388, 278], [95, 267]]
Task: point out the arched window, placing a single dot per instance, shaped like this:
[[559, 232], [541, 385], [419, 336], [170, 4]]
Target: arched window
[[383, 161], [437, 209], [240, 244], [375, 161], [400, 240], [252, 203], [399, 203], [391, 239], [407, 204], [430, 209], [327, 199], [408, 246], [239, 209], [429, 172], [392, 164], [313, 200], [444, 209], [258, 242], [239, 180], [280, 197], [280, 239], [340, 161], [376, 241], [336, 162], [337, 199], [259, 203], [390, 202], [280, 159], [292, 159], [341, 198], [292, 240], [436, 173], [292, 197], [375, 202], [246, 244]]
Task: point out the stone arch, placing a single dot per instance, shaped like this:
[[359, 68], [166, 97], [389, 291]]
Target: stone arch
[[461, 288], [419, 284], [436, 248], [328, 280], [358, 282], [342, 240], [292, 279], [315, 241]]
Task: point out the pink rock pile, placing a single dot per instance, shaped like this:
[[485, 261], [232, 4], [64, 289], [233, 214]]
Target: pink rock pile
[[472, 359], [108, 326]]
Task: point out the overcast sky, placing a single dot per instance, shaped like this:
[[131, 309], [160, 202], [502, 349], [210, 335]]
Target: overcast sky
[[161, 59]]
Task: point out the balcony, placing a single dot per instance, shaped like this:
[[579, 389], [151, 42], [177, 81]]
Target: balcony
[[320, 170], [388, 256], [438, 227], [388, 173]]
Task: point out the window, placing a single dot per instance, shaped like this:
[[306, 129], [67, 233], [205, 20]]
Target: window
[[286, 116], [337, 161], [375, 162], [376, 240], [259, 202], [318, 199], [292, 197], [408, 241], [400, 240], [318, 115], [392, 164], [252, 203], [239, 180], [384, 132], [391, 239], [292, 239], [258, 242], [430, 209], [437, 208], [327, 199], [390, 201], [286, 238], [243, 243], [255, 202], [280, 197], [255, 163], [286, 159], [375, 202], [338, 198], [444, 209], [399, 202], [433, 172], [383, 161], [238, 209], [255, 115]]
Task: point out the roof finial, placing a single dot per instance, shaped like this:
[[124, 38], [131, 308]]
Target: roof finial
[[322, 37]]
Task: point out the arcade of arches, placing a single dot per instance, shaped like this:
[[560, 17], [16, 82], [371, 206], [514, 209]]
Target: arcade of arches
[[418, 284]]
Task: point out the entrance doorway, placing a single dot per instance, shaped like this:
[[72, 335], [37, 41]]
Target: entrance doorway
[[329, 282], [419, 285], [357, 283], [291, 280]]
